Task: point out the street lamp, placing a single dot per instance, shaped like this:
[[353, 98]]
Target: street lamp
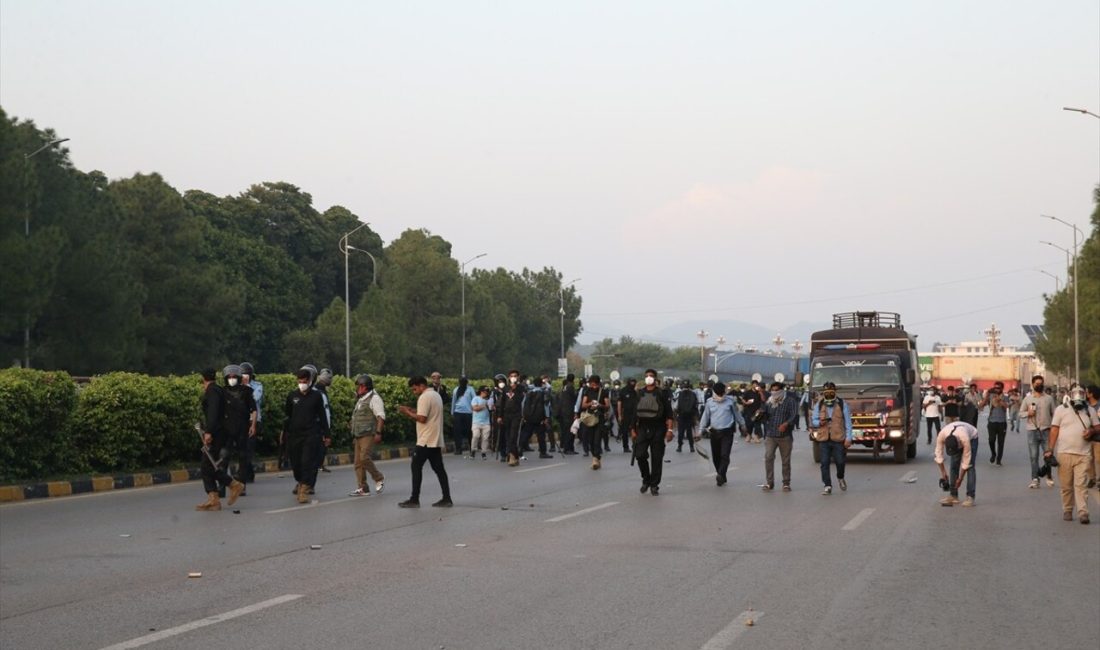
[[702, 334], [561, 314], [27, 235], [1076, 330], [1080, 110], [374, 264], [462, 273], [778, 343], [344, 247], [1057, 280]]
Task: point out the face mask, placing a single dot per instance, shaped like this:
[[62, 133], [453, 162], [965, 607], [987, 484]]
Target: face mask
[[649, 381], [1038, 388], [500, 385], [830, 396], [303, 387], [232, 381], [513, 380]]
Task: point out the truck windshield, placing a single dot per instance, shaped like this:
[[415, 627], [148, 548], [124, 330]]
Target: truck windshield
[[856, 376]]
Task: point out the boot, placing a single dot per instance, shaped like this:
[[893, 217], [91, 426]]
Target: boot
[[235, 490], [595, 463], [212, 502], [512, 460], [303, 493]]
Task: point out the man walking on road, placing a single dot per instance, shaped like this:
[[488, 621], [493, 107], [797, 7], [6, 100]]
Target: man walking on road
[[307, 425], [832, 414], [997, 426], [959, 440], [687, 410], [367, 420], [1069, 441], [213, 440], [932, 404], [429, 438], [779, 414], [652, 430], [1038, 410], [628, 412], [721, 417]]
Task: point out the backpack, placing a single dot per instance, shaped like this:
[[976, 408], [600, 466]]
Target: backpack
[[534, 409], [687, 402], [951, 443], [649, 406]]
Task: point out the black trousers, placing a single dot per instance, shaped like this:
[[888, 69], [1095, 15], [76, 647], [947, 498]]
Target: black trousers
[[462, 430], [721, 443], [649, 450], [566, 435], [302, 451], [590, 438], [434, 456], [933, 427], [509, 434], [685, 425], [624, 429], [211, 475], [997, 439], [242, 445]]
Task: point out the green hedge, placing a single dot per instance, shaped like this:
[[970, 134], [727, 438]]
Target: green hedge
[[121, 422]]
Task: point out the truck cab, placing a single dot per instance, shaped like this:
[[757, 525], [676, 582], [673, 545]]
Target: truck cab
[[873, 362]]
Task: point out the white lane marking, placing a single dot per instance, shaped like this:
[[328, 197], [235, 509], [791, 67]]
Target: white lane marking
[[312, 504], [910, 477], [858, 519], [203, 622], [535, 469], [727, 635], [582, 512]]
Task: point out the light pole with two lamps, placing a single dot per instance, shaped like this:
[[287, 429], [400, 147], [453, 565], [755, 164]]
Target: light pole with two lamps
[[561, 314], [344, 248], [462, 273], [27, 235], [1076, 329]]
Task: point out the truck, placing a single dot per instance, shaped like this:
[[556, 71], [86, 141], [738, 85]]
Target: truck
[[873, 362]]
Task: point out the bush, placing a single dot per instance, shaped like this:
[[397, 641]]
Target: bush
[[35, 412]]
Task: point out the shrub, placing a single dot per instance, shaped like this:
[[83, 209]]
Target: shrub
[[35, 412]]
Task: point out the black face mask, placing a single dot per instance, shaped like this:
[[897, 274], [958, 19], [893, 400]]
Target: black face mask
[[1038, 388]]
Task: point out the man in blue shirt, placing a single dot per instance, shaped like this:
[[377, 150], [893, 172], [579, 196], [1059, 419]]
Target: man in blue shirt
[[832, 426], [720, 416]]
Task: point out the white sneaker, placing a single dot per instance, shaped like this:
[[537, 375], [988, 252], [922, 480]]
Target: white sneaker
[[1034, 484], [1050, 482], [969, 503], [827, 491], [359, 493], [378, 487]]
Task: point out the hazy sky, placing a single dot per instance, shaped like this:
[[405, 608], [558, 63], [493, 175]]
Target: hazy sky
[[845, 155]]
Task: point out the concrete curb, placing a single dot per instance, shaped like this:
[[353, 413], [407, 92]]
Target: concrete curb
[[90, 484]]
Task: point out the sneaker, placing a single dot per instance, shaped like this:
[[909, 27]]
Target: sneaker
[[827, 491], [654, 490], [767, 488], [678, 450], [645, 486], [1067, 516], [379, 486], [411, 503], [445, 502], [949, 501], [1050, 482], [843, 484], [359, 493], [786, 487], [992, 460], [968, 503], [325, 469], [1034, 484]]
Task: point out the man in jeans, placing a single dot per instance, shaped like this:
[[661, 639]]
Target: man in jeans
[[780, 412], [960, 442], [1037, 408], [367, 419], [1068, 438], [998, 421], [833, 414]]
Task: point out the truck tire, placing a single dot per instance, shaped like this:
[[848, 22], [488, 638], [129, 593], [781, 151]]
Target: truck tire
[[911, 450], [900, 453], [817, 453]]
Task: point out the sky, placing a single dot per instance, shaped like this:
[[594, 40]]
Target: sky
[[763, 162]]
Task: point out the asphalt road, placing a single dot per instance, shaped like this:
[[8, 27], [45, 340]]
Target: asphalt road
[[555, 555]]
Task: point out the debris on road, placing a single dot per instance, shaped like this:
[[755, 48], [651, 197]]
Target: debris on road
[[195, 574], [315, 547], [460, 546]]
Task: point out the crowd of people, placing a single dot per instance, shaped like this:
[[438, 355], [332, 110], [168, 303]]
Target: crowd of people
[[503, 419]]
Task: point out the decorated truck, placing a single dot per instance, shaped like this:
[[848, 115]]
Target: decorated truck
[[873, 362]]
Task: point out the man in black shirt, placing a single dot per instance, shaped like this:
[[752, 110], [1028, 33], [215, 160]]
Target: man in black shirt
[[564, 411], [214, 439], [509, 414], [628, 411], [306, 424], [651, 432], [950, 406], [240, 421]]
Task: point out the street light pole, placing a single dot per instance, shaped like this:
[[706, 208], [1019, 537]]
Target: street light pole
[[373, 267], [462, 279], [561, 311], [702, 334], [343, 245], [1057, 280], [1076, 322], [1081, 110], [27, 235]]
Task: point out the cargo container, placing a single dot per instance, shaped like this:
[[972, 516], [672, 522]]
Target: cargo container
[[983, 371]]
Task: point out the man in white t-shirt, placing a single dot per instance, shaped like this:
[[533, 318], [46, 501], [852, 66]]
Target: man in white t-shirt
[[429, 441], [932, 404], [1070, 444]]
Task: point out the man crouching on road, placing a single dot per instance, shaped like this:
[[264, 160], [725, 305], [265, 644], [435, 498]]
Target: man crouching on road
[[429, 440], [959, 441]]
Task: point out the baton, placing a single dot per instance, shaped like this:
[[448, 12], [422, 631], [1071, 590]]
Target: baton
[[205, 448]]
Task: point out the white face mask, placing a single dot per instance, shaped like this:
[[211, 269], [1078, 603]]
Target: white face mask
[[303, 387], [232, 381], [513, 380], [649, 381], [500, 385]]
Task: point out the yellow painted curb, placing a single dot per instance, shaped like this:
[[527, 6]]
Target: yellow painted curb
[[59, 488], [179, 475], [102, 483], [403, 452], [143, 480], [11, 493]]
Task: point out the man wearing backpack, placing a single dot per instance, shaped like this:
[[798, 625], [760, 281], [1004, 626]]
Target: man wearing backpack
[[687, 404], [536, 415], [654, 416], [959, 441]]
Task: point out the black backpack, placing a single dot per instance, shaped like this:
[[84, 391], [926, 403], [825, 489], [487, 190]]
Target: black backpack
[[534, 409], [687, 402]]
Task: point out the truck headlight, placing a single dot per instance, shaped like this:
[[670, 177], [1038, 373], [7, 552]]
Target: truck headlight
[[894, 433]]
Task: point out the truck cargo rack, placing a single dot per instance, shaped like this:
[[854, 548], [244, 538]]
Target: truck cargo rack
[[859, 319]]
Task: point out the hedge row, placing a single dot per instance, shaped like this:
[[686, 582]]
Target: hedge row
[[122, 422]]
